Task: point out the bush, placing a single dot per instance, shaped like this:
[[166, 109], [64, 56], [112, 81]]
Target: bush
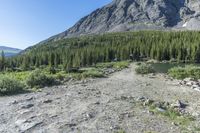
[[115, 65], [9, 86], [121, 65], [92, 74], [39, 79], [144, 69], [185, 72]]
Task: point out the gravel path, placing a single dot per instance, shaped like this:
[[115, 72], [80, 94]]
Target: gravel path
[[104, 105]]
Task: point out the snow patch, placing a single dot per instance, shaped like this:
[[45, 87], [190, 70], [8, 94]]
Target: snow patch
[[185, 24]]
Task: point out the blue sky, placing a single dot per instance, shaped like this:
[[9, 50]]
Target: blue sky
[[26, 22]]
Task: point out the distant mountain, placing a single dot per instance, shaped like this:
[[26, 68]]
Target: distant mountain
[[9, 51], [127, 15]]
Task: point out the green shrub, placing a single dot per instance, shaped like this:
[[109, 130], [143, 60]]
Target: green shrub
[[92, 74], [9, 86], [39, 79], [105, 65], [115, 65], [185, 72], [121, 65], [144, 69]]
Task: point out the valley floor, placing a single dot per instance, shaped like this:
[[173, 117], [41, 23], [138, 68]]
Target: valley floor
[[105, 105]]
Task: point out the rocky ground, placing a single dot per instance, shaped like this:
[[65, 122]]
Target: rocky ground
[[106, 105]]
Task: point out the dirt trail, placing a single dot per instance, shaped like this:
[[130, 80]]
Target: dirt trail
[[98, 106]]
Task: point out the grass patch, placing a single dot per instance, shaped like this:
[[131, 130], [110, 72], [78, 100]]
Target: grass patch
[[185, 72], [16, 81], [86, 73], [197, 129], [120, 131], [182, 120], [144, 69], [20, 76]]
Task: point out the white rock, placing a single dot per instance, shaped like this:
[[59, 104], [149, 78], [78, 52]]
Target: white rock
[[197, 89], [195, 86], [188, 79], [189, 83]]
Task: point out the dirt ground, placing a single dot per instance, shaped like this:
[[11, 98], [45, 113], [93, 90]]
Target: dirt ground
[[105, 105]]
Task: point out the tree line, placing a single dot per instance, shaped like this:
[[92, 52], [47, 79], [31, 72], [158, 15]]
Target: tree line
[[183, 46]]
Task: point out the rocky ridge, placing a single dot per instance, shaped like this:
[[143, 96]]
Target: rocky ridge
[[128, 15]]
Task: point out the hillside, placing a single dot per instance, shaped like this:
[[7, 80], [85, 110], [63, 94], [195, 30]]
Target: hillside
[[127, 15], [9, 51], [89, 50]]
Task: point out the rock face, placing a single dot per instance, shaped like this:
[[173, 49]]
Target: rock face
[[126, 15]]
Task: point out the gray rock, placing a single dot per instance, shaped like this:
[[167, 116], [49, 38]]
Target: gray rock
[[47, 101], [13, 102], [197, 89], [189, 83], [25, 125], [188, 79], [27, 106], [195, 86], [160, 110], [142, 98], [178, 104], [30, 98]]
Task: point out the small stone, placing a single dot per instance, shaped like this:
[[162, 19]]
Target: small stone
[[189, 83], [47, 101], [197, 89], [148, 102], [71, 125], [47, 93], [89, 116], [160, 109], [97, 103], [195, 86], [178, 104], [188, 79], [29, 99], [175, 124], [27, 106], [182, 82], [14, 102], [124, 98], [22, 112], [142, 98]]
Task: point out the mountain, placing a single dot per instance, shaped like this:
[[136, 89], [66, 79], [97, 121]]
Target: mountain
[[9, 51], [127, 15]]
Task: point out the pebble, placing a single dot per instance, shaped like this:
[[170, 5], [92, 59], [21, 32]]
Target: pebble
[[142, 98], [97, 103], [47, 101], [160, 109], [197, 89], [29, 99], [14, 102], [27, 106], [178, 104]]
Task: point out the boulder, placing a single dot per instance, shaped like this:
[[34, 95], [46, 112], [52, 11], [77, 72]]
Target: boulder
[[195, 86], [178, 104]]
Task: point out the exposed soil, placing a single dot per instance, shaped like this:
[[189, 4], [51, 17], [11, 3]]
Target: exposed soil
[[105, 105]]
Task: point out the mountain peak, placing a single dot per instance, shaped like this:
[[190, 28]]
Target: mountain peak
[[127, 15]]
